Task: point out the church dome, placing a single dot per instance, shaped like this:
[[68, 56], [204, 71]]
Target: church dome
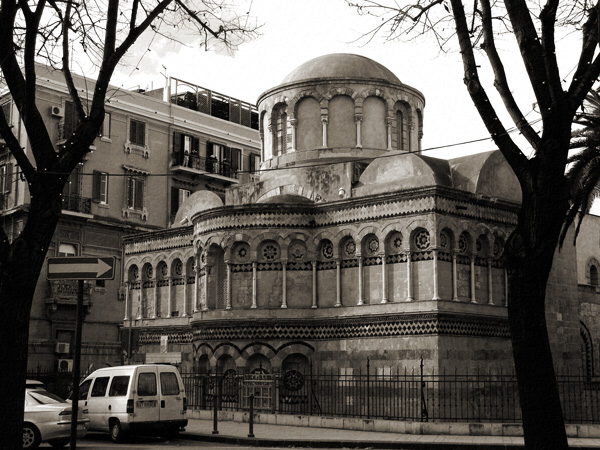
[[341, 65], [197, 202]]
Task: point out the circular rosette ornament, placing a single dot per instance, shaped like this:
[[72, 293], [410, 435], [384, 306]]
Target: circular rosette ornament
[[293, 380]]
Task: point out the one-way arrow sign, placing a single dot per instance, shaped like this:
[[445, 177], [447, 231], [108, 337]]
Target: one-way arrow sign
[[81, 268]]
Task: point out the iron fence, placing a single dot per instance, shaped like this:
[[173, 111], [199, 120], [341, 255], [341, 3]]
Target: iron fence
[[415, 395], [396, 395]]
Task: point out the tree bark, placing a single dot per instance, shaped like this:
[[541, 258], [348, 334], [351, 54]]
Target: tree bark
[[17, 287], [530, 252]]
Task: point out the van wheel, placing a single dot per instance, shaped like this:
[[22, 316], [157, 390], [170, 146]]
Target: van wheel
[[116, 432], [31, 437]]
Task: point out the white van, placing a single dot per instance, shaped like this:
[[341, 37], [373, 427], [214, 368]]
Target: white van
[[123, 399]]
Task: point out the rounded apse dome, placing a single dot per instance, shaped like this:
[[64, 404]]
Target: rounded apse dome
[[341, 65], [197, 202]]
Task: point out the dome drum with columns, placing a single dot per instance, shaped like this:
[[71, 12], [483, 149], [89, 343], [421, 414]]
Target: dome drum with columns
[[351, 245]]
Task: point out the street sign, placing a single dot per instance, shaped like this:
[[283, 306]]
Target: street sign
[[81, 268]]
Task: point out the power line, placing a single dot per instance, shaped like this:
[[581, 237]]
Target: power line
[[321, 164]]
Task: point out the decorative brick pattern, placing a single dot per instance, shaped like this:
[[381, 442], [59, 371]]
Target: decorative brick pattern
[[395, 259], [422, 256], [356, 327], [299, 265]]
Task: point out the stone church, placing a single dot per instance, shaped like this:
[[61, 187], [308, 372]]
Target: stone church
[[350, 245]]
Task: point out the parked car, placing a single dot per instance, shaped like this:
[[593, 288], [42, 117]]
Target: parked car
[[48, 419], [146, 398], [33, 384]]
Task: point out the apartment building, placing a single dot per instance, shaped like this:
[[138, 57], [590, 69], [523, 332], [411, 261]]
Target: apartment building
[[154, 150]]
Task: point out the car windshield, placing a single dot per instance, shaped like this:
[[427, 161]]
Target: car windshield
[[44, 397]]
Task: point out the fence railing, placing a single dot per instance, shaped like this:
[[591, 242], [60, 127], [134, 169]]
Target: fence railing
[[401, 395], [413, 395]]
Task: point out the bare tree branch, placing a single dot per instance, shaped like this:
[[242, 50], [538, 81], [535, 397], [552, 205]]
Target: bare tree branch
[[499, 134], [501, 82]]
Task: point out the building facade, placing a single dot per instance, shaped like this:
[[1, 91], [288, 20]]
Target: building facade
[[155, 149], [349, 246]]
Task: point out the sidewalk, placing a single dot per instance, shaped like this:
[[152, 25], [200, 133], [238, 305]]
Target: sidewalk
[[267, 435]]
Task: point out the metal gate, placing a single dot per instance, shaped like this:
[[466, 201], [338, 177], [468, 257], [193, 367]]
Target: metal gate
[[262, 386]]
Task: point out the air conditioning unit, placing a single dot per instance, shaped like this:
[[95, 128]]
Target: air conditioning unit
[[62, 347], [57, 111], [65, 365]]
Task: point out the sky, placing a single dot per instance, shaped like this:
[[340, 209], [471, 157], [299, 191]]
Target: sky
[[295, 31]]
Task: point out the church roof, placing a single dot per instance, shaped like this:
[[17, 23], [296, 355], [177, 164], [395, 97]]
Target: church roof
[[341, 65]]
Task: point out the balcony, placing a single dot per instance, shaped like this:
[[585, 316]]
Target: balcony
[[210, 102], [199, 165], [63, 294], [76, 204]]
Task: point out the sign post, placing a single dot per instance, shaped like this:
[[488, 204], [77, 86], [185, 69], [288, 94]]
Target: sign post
[[79, 268]]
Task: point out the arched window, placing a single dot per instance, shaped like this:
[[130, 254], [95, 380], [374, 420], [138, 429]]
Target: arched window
[[400, 130], [593, 276]]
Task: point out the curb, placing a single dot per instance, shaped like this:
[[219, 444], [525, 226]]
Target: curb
[[374, 444]]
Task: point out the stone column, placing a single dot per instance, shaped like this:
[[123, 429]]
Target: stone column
[[338, 282], [228, 299], [205, 304], [127, 304], [358, 119], [284, 284], [254, 304], [473, 299], [388, 122], [384, 287], [454, 278], [436, 281], [262, 145], [490, 287], [409, 293], [155, 313], [196, 275], [324, 120], [169, 300], [314, 284], [360, 281], [294, 124], [185, 293]]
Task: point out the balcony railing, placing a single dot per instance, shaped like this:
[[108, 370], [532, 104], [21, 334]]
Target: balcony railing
[[210, 102], [77, 203], [209, 165]]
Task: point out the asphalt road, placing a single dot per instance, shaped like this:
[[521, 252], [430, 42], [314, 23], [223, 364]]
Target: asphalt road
[[101, 441]]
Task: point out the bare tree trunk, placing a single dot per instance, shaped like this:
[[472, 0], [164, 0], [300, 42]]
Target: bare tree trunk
[[17, 287], [530, 253]]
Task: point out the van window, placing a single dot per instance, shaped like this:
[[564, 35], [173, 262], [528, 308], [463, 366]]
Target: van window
[[168, 383], [99, 388], [84, 388], [118, 386], [146, 383]]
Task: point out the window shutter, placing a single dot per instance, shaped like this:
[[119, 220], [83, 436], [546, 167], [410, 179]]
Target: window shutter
[[236, 155], [174, 200], [252, 165], [176, 142], [141, 138], [96, 181], [104, 192], [132, 131], [129, 190], [139, 194]]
